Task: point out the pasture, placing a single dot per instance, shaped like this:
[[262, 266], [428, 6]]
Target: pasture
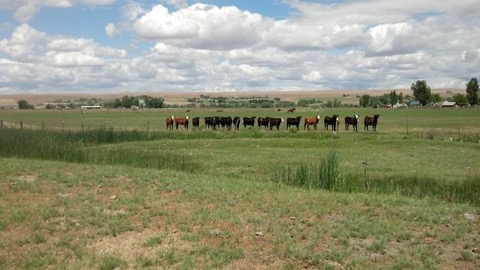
[[120, 191]]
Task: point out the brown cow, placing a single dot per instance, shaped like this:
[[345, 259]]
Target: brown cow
[[169, 122], [309, 121], [371, 121], [291, 110], [181, 121]]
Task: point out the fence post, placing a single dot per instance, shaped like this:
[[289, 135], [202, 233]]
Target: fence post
[[1, 123], [407, 124], [21, 124], [148, 125], [63, 125], [43, 125]]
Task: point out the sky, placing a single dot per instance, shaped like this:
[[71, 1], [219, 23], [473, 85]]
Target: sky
[[113, 46]]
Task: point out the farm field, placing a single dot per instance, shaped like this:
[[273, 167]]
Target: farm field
[[202, 199]]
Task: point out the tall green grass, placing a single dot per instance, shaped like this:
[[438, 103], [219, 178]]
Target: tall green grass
[[72, 146], [324, 175], [328, 174]]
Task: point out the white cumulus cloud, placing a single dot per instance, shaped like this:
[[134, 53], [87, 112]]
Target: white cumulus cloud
[[201, 26], [350, 44]]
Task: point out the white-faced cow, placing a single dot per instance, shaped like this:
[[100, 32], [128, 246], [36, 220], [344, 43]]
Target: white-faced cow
[[274, 122], [309, 121], [331, 121], [169, 122], [351, 121], [181, 121]]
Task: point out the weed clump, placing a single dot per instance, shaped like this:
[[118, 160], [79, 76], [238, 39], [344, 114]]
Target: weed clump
[[324, 175]]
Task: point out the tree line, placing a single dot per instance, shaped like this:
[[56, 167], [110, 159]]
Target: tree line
[[423, 94]]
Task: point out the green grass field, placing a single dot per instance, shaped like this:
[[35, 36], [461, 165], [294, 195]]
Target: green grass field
[[397, 121], [115, 190]]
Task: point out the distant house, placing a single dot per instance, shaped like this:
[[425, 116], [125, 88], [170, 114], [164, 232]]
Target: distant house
[[400, 105], [449, 104], [414, 103], [142, 103]]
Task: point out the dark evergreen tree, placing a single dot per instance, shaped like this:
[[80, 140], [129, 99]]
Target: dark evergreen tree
[[472, 91]]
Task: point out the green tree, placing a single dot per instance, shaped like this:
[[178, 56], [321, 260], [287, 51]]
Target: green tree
[[393, 97], [460, 99], [24, 105], [154, 102], [472, 91], [128, 102], [422, 92], [365, 101], [436, 98], [400, 98]]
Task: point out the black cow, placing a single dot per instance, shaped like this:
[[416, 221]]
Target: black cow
[[210, 122], [371, 121], [236, 122], [351, 121], [294, 121], [196, 122], [226, 122], [249, 121], [331, 121], [274, 122], [262, 122]]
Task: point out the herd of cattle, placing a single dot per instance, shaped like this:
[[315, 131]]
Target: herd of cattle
[[214, 122]]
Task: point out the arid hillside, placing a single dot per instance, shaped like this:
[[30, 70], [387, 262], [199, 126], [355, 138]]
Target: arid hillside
[[11, 100]]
